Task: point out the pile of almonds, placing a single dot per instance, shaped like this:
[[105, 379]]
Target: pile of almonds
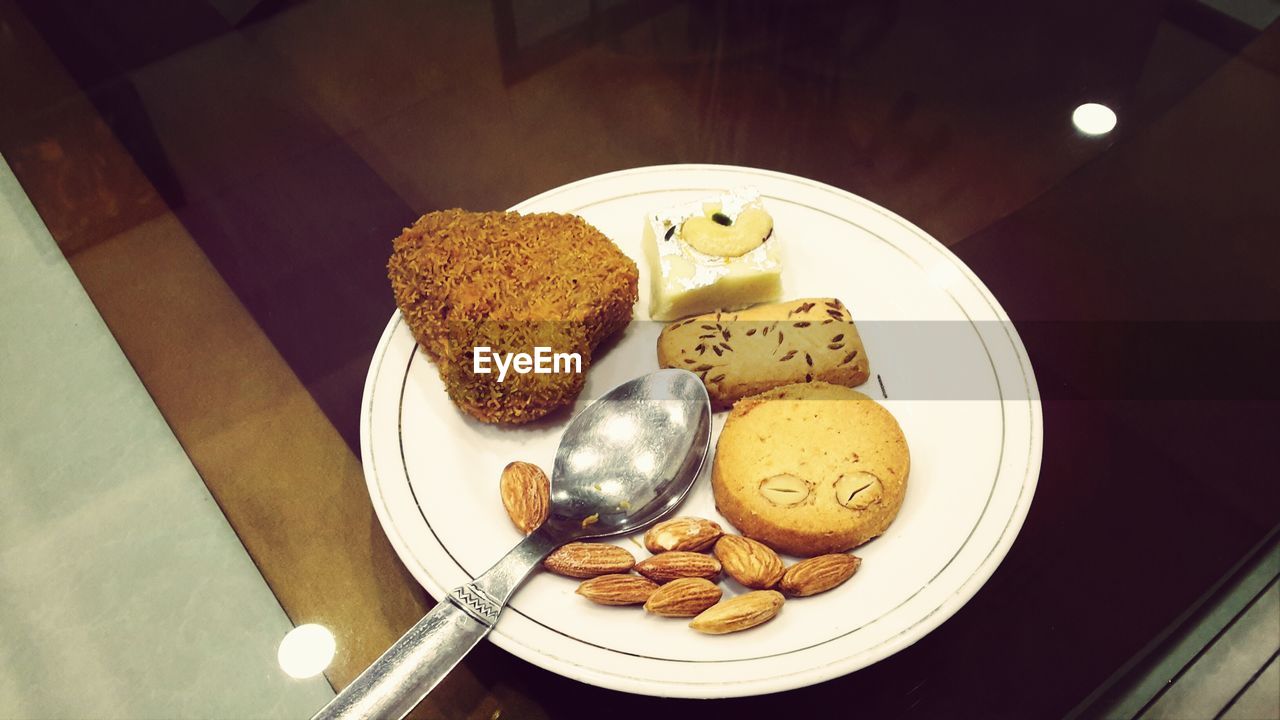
[[678, 580]]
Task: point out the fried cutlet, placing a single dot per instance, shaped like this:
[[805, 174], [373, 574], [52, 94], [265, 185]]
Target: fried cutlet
[[512, 283]]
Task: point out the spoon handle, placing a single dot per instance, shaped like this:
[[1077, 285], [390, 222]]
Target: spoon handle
[[419, 660], [410, 668]]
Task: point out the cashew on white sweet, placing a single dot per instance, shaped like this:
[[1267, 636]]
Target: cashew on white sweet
[[744, 234]]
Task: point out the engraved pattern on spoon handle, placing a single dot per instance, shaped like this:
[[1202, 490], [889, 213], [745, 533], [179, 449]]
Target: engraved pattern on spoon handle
[[418, 661]]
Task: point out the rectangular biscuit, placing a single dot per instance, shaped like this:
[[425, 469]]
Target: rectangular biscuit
[[745, 352]]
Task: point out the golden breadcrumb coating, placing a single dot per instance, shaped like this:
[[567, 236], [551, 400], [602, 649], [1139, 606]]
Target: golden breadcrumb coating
[[511, 282]]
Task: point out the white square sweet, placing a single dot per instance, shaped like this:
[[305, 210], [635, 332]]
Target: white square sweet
[[716, 254]]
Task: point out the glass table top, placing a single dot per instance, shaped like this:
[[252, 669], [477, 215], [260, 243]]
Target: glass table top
[[200, 199]]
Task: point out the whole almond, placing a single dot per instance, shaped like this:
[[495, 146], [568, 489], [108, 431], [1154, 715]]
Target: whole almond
[[617, 589], [526, 494], [749, 562], [740, 613], [818, 574], [587, 560], [669, 566], [684, 597], [685, 533]]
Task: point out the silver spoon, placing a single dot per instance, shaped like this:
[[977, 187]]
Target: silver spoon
[[625, 461]]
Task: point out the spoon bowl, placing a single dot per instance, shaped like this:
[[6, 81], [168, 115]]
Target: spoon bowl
[[630, 457]]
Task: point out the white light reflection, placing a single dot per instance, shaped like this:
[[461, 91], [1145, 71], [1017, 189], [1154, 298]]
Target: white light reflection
[[583, 459], [645, 463], [619, 428], [306, 651], [675, 414], [1094, 119]]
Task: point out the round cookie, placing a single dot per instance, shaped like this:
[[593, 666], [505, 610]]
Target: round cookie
[[810, 468]]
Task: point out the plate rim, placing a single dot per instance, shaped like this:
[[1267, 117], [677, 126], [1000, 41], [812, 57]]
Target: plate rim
[[808, 676]]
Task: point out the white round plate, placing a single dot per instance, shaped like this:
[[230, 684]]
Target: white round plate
[[975, 454]]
